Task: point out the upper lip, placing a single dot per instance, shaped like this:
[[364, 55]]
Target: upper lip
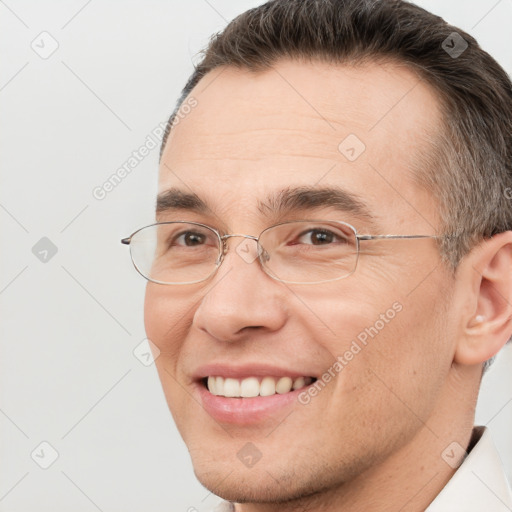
[[246, 370]]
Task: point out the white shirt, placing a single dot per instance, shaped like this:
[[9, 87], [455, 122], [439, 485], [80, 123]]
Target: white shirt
[[478, 485]]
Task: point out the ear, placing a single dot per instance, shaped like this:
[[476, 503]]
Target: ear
[[485, 278]]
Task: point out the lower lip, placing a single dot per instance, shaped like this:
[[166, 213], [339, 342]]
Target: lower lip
[[244, 411]]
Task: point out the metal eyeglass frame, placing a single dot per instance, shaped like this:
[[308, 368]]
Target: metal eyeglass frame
[[223, 248]]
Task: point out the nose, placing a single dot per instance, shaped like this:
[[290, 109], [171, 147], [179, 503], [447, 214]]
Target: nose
[[241, 297]]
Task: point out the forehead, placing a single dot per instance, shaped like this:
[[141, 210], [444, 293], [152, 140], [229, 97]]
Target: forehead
[[360, 127]]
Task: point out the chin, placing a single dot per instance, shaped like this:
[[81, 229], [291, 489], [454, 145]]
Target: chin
[[255, 489], [265, 483]]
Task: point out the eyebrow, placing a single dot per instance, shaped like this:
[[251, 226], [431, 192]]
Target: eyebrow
[[277, 204]]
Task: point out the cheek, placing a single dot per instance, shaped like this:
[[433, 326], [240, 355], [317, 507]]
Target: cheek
[[166, 318], [407, 363], [166, 324], [393, 345]]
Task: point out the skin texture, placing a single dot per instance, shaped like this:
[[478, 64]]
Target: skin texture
[[372, 439]]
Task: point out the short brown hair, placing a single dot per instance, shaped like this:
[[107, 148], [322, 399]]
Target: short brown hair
[[470, 166]]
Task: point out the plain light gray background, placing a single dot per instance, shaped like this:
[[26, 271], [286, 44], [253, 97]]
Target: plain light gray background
[[70, 324]]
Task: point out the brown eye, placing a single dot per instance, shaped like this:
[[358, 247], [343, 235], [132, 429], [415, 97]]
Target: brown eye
[[319, 236], [190, 238]]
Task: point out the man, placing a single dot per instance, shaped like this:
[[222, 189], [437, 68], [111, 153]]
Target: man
[[331, 269]]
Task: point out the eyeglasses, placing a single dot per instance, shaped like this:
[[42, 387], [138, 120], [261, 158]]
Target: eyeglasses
[[295, 252]]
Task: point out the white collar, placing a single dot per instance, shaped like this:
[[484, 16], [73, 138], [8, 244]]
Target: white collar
[[479, 483]]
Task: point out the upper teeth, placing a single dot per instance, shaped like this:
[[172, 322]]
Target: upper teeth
[[253, 386]]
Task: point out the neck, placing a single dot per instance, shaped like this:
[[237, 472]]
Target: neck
[[414, 475]]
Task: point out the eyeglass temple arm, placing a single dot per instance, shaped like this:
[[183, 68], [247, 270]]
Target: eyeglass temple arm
[[126, 241], [376, 237]]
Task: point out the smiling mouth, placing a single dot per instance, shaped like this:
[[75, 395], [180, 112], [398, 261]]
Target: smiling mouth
[[254, 386]]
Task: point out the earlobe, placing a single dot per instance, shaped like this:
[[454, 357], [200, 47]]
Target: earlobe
[[486, 274]]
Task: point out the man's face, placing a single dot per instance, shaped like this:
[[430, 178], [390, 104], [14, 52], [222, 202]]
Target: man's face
[[249, 137]]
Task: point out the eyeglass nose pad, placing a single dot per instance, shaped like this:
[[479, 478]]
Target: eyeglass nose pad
[[263, 254]]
